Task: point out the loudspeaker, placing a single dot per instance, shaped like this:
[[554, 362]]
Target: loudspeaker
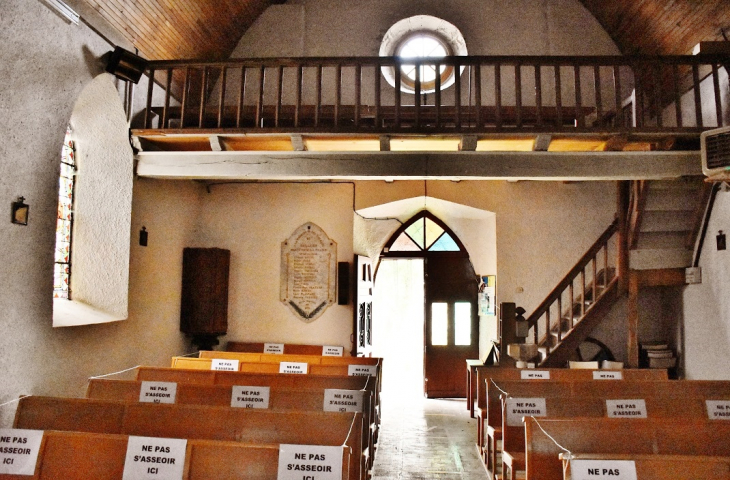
[[343, 283], [126, 65]]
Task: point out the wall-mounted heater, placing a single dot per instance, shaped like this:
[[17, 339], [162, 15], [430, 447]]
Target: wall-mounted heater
[[715, 150]]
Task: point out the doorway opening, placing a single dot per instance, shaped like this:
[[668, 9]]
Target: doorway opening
[[425, 322], [398, 298]]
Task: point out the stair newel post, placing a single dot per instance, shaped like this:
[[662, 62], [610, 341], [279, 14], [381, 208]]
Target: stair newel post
[[583, 292], [595, 280], [572, 304], [547, 329], [622, 262], [560, 317]]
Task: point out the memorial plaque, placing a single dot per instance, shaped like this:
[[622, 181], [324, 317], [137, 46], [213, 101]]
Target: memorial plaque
[[308, 272]]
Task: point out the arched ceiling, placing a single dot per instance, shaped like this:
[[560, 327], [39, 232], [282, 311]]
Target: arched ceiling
[[661, 27], [210, 29]]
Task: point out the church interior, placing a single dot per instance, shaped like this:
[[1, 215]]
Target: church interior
[[548, 156]]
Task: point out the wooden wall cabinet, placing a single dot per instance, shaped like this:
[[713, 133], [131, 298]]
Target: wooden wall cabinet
[[204, 303]]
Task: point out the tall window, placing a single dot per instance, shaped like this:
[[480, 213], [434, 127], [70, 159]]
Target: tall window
[[64, 222]]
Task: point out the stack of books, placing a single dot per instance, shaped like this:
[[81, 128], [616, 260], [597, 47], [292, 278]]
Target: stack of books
[[658, 355]]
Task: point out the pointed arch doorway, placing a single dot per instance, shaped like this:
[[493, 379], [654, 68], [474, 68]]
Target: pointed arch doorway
[[450, 320]]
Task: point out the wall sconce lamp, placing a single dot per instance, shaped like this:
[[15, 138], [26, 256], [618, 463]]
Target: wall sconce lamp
[[126, 65], [143, 237], [721, 241], [19, 212]]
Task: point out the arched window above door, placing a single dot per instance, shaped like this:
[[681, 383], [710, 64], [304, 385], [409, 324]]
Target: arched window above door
[[424, 233]]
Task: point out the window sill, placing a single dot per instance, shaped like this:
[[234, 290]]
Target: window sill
[[70, 313]]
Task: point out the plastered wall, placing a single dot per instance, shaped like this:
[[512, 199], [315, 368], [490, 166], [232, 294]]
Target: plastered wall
[[707, 305]]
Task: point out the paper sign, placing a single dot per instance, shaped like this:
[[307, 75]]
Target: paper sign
[[607, 375], [157, 392], [19, 450], [634, 408], [223, 365], [275, 348], [336, 400], [150, 458], [311, 462], [535, 375], [250, 397], [524, 407], [603, 470], [293, 367], [718, 409], [329, 351], [362, 370]]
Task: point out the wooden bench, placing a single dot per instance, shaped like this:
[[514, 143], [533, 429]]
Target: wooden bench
[[477, 374], [618, 436], [311, 400], [658, 467], [93, 456], [488, 429], [289, 348], [624, 389], [662, 407], [198, 422]]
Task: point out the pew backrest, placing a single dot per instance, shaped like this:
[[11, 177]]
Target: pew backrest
[[657, 467], [617, 436]]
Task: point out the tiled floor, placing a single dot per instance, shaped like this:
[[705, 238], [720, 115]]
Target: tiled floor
[[427, 439]]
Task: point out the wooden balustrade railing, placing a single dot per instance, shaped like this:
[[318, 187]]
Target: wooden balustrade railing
[[589, 286], [485, 94]]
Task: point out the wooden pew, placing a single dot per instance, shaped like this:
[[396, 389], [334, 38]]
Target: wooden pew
[[618, 436], [659, 467], [311, 400], [662, 407], [482, 373], [490, 429], [198, 422], [93, 456], [289, 348], [625, 389]]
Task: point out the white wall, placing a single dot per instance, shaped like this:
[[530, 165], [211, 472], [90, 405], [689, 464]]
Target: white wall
[[707, 305]]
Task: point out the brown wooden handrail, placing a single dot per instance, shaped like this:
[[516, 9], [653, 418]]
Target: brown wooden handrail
[[637, 204], [574, 272], [201, 95]]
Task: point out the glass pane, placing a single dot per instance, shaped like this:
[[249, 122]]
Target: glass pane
[[415, 231], [439, 324], [433, 231], [60, 281], [444, 244], [422, 46], [404, 244], [462, 323]]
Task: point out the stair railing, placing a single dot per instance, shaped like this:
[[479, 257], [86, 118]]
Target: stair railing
[[637, 202], [591, 286]]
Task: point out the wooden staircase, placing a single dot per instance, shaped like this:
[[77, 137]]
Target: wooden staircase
[[577, 304], [662, 220]]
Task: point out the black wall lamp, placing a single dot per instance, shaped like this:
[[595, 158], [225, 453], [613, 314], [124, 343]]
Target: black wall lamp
[[19, 212], [126, 65], [143, 237], [721, 241]]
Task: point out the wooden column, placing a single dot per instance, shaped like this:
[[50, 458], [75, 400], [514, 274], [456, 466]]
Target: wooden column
[[622, 211], [633, 320]]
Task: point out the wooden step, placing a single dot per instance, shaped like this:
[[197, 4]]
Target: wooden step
[[669, 200], [651, 259], [666, 221], [661, 240]]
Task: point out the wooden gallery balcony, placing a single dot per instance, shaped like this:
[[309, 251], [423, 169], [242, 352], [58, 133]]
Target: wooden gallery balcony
[[651, 109]]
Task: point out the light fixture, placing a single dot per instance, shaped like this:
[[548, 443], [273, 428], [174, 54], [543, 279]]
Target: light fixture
[[66, 12], [126, 65], [19, 212], [143, 237], [721, 241]]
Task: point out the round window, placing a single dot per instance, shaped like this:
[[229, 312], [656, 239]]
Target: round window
[[422, 36]]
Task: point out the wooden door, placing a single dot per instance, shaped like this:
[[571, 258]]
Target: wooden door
[[451, 326]]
